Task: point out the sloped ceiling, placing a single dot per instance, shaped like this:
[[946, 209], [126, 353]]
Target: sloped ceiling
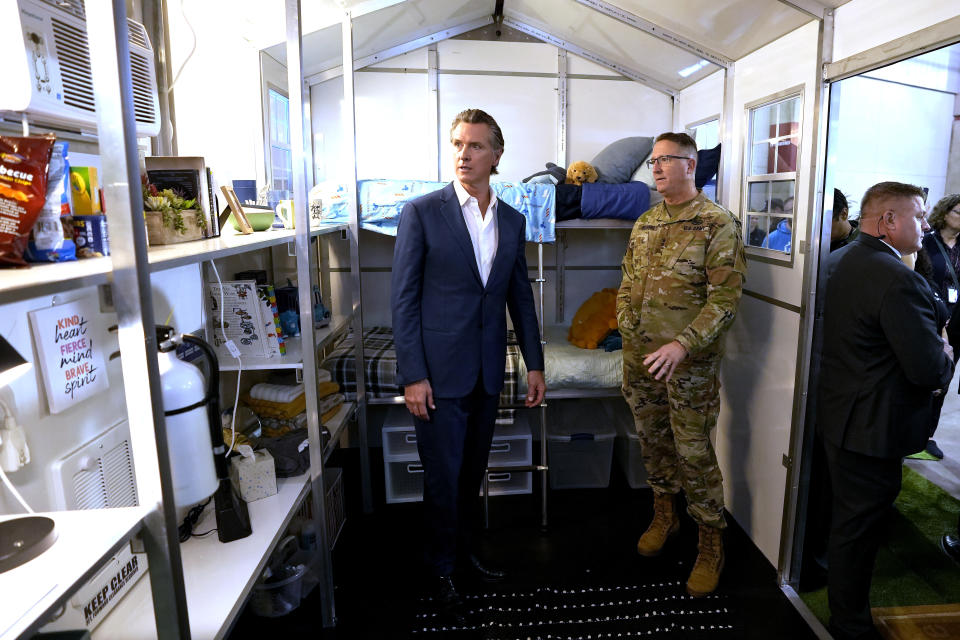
[[729, 28]]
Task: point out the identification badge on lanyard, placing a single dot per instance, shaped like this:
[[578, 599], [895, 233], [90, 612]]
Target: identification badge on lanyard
[[952, 295]]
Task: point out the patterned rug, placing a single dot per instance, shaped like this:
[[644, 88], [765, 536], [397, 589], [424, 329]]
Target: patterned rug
[[645, 610]]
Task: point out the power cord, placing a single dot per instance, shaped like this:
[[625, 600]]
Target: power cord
[[185, 530], [236, 354]]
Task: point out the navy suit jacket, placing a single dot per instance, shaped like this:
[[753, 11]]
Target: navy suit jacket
[[447, 326], [882, 356]]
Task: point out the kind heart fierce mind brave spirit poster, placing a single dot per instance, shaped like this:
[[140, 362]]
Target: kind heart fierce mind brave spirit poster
[[71, 361]]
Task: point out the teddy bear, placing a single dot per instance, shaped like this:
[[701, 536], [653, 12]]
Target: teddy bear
[[594, 320], [580, 172]]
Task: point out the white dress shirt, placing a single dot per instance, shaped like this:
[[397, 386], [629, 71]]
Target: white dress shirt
[[483, 229]]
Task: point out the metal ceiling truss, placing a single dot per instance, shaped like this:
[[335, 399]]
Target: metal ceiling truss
[[657, 31], [809, 7], [400, 49], [549, 38]]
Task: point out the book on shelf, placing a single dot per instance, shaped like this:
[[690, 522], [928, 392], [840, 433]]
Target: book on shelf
[[241, 319], [270, 319]]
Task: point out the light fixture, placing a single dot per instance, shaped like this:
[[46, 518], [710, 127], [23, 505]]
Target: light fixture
[[692, 69], [12, 364], [23, 538]]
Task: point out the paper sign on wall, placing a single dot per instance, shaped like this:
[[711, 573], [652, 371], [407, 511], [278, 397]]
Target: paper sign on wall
[[71, 361]]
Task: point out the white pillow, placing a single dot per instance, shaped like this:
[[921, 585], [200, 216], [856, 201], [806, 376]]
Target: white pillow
[[644, 173]]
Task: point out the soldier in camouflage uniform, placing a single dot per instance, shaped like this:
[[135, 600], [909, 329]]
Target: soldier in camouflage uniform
[[682, 278]]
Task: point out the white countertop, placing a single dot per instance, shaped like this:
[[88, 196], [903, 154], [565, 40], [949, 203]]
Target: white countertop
[[85, 540], [217, 576]]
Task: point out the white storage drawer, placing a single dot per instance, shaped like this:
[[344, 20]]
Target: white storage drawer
[[508, 483], [404, 481], [504, 453], [399, 443]]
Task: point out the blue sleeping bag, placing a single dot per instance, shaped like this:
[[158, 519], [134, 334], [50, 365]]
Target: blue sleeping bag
[[627, 200]]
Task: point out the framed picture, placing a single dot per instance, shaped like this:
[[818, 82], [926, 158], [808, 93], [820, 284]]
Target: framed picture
[[237, 210]]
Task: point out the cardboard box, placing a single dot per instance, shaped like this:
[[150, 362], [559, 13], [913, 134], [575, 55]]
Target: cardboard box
[[91, 237], [254, 477], [85, 191]]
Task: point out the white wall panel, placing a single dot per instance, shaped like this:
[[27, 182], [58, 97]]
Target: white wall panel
[[525, 109], [755, 415], [393, 131], [701, 100], [481, 55], [218, 114], [603, 111], [863, 24], [859, 158], [582, 66], [787, 63], [759, 370], [326, 118], [50, 437]]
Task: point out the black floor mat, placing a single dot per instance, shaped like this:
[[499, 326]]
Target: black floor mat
[[580, 578]]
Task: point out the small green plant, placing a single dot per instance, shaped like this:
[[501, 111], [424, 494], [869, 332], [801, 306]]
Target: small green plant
[[171, 205]]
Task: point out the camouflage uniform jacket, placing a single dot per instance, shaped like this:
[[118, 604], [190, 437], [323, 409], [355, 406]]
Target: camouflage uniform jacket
[[682, 278]]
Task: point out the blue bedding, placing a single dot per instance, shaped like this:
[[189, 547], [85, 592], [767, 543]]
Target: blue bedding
[[626, 201], [381, 202]]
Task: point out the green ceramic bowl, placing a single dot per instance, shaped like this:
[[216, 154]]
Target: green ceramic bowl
[[260, 221]]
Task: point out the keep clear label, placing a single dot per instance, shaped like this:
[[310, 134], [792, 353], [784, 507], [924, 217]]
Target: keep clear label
[[110, 590]]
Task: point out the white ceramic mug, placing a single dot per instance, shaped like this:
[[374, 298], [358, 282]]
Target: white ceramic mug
[[285, 211]]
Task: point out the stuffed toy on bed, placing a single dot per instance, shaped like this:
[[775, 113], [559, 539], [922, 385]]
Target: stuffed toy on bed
[[594, 320], [580, 172]]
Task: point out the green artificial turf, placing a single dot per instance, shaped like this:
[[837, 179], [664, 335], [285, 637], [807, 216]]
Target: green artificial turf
[[910, 568]]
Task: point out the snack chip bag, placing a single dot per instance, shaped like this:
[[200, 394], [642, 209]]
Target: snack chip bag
[[24, 162]]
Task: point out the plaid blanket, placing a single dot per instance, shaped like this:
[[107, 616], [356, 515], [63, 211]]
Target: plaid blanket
[[380, 367]]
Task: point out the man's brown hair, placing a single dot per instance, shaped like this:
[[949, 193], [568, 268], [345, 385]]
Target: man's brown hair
[[479, 116], [683, 140], [883, 190]]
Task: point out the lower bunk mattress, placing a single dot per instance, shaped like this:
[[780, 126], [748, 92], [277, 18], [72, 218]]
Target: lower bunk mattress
[[567, 366]]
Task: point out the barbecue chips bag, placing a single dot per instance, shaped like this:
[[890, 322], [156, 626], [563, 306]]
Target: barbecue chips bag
[[23, 190]]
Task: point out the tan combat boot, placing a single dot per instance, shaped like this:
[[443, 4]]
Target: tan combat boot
[[706, 570], [665, 523]]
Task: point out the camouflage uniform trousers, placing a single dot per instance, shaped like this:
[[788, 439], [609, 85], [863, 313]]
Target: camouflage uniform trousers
[[674, 420]]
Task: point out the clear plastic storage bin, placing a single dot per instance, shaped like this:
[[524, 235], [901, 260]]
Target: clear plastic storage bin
[[580, 439], [278, 597]]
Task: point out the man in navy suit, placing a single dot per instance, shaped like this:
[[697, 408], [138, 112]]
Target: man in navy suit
[[458, 265], [883, 357]]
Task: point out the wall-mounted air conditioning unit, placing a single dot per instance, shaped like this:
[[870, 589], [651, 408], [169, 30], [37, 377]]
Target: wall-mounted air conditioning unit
[[58, 68]]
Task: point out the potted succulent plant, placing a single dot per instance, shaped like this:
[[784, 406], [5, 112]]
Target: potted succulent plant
[[171, 218]]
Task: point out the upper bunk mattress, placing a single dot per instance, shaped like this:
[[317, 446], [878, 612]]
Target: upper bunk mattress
[[381, 202]]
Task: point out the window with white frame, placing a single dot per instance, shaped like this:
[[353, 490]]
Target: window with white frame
[[281, 157], [707, 136], [770, 177]]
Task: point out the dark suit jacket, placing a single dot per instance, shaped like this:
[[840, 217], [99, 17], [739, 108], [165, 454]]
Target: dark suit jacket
[[882, 355], [447, 326]]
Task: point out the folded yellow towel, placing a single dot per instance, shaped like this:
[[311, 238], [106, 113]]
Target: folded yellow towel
[[325, 389]]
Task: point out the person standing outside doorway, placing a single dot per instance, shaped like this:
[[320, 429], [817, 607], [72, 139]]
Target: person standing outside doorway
[[683, 274]]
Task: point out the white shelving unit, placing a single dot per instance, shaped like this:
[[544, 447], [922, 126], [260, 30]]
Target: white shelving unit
[[293, 358], [218, 577], [203, 580], [46, 279], [85, 540]]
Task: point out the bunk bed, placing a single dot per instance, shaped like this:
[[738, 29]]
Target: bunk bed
[[571, 372]]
